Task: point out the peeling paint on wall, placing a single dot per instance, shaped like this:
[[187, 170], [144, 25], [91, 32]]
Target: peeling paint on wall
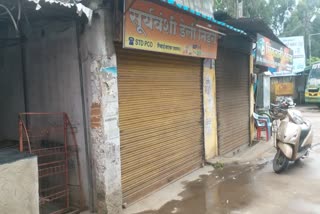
[[111, 70], [110, 80], [208, 89], [99, 63], [95, 115], [106, 137]]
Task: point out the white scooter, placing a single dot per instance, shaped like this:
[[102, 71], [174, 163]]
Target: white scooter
[[293, 134]]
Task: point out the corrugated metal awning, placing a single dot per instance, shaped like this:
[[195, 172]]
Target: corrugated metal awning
[[67, 3], [254, 26], [203, 16]]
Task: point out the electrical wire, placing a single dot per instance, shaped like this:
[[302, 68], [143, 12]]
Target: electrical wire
[[19, 10], [11, 16], [4, 13]]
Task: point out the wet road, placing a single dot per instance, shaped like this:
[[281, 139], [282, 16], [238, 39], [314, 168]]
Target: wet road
[[255, 188]]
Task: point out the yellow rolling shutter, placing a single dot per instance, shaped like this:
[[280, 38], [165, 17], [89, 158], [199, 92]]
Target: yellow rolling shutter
[[161, 120]]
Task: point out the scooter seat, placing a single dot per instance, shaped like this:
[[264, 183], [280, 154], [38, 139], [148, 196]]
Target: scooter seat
[[275, 105], [304, 133]]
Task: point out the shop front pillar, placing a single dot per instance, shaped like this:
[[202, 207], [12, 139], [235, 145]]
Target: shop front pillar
[[252, 101], [100, 67], [209, 105]]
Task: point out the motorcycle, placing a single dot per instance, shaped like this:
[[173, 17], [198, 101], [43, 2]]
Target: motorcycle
[[292, 134]]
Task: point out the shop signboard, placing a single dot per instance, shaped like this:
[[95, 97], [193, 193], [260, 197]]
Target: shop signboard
[[284, 89], [274, 55], [153, 27], [296, 43]]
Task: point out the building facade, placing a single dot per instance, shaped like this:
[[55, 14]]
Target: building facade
[[153, 89]]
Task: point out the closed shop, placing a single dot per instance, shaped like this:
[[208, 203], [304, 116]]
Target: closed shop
[[161, 121], [233, 108], [160, 69]]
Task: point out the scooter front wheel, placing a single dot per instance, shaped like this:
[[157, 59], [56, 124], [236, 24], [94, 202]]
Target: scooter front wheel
[[280, 162]]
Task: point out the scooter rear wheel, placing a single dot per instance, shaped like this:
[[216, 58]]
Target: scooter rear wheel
[[280, 162]]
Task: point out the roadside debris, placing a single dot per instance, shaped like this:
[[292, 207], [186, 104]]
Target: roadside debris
[[218, 165], [175, 210]]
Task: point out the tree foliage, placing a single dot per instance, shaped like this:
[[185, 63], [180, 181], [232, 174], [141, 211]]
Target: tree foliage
[[314, 60], [301, 24], [273, 12], [283, 16]]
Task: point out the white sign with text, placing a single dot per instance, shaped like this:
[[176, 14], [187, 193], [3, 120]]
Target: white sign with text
[[296, 43]]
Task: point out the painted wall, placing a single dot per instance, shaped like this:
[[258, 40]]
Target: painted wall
[[19, 183], [209, 104], [53, 84], [53, 78], [11, 92]]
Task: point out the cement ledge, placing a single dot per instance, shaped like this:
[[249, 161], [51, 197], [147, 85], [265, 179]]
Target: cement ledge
[[262, 151]]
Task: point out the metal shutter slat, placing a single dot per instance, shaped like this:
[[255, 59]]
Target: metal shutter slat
[[161, 121], [232, 74]]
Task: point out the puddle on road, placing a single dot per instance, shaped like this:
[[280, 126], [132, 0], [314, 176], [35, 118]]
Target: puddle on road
[[303, 206], [235, 189], [224, 191]]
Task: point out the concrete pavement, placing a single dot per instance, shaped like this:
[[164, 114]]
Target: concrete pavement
[[246, 187]]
